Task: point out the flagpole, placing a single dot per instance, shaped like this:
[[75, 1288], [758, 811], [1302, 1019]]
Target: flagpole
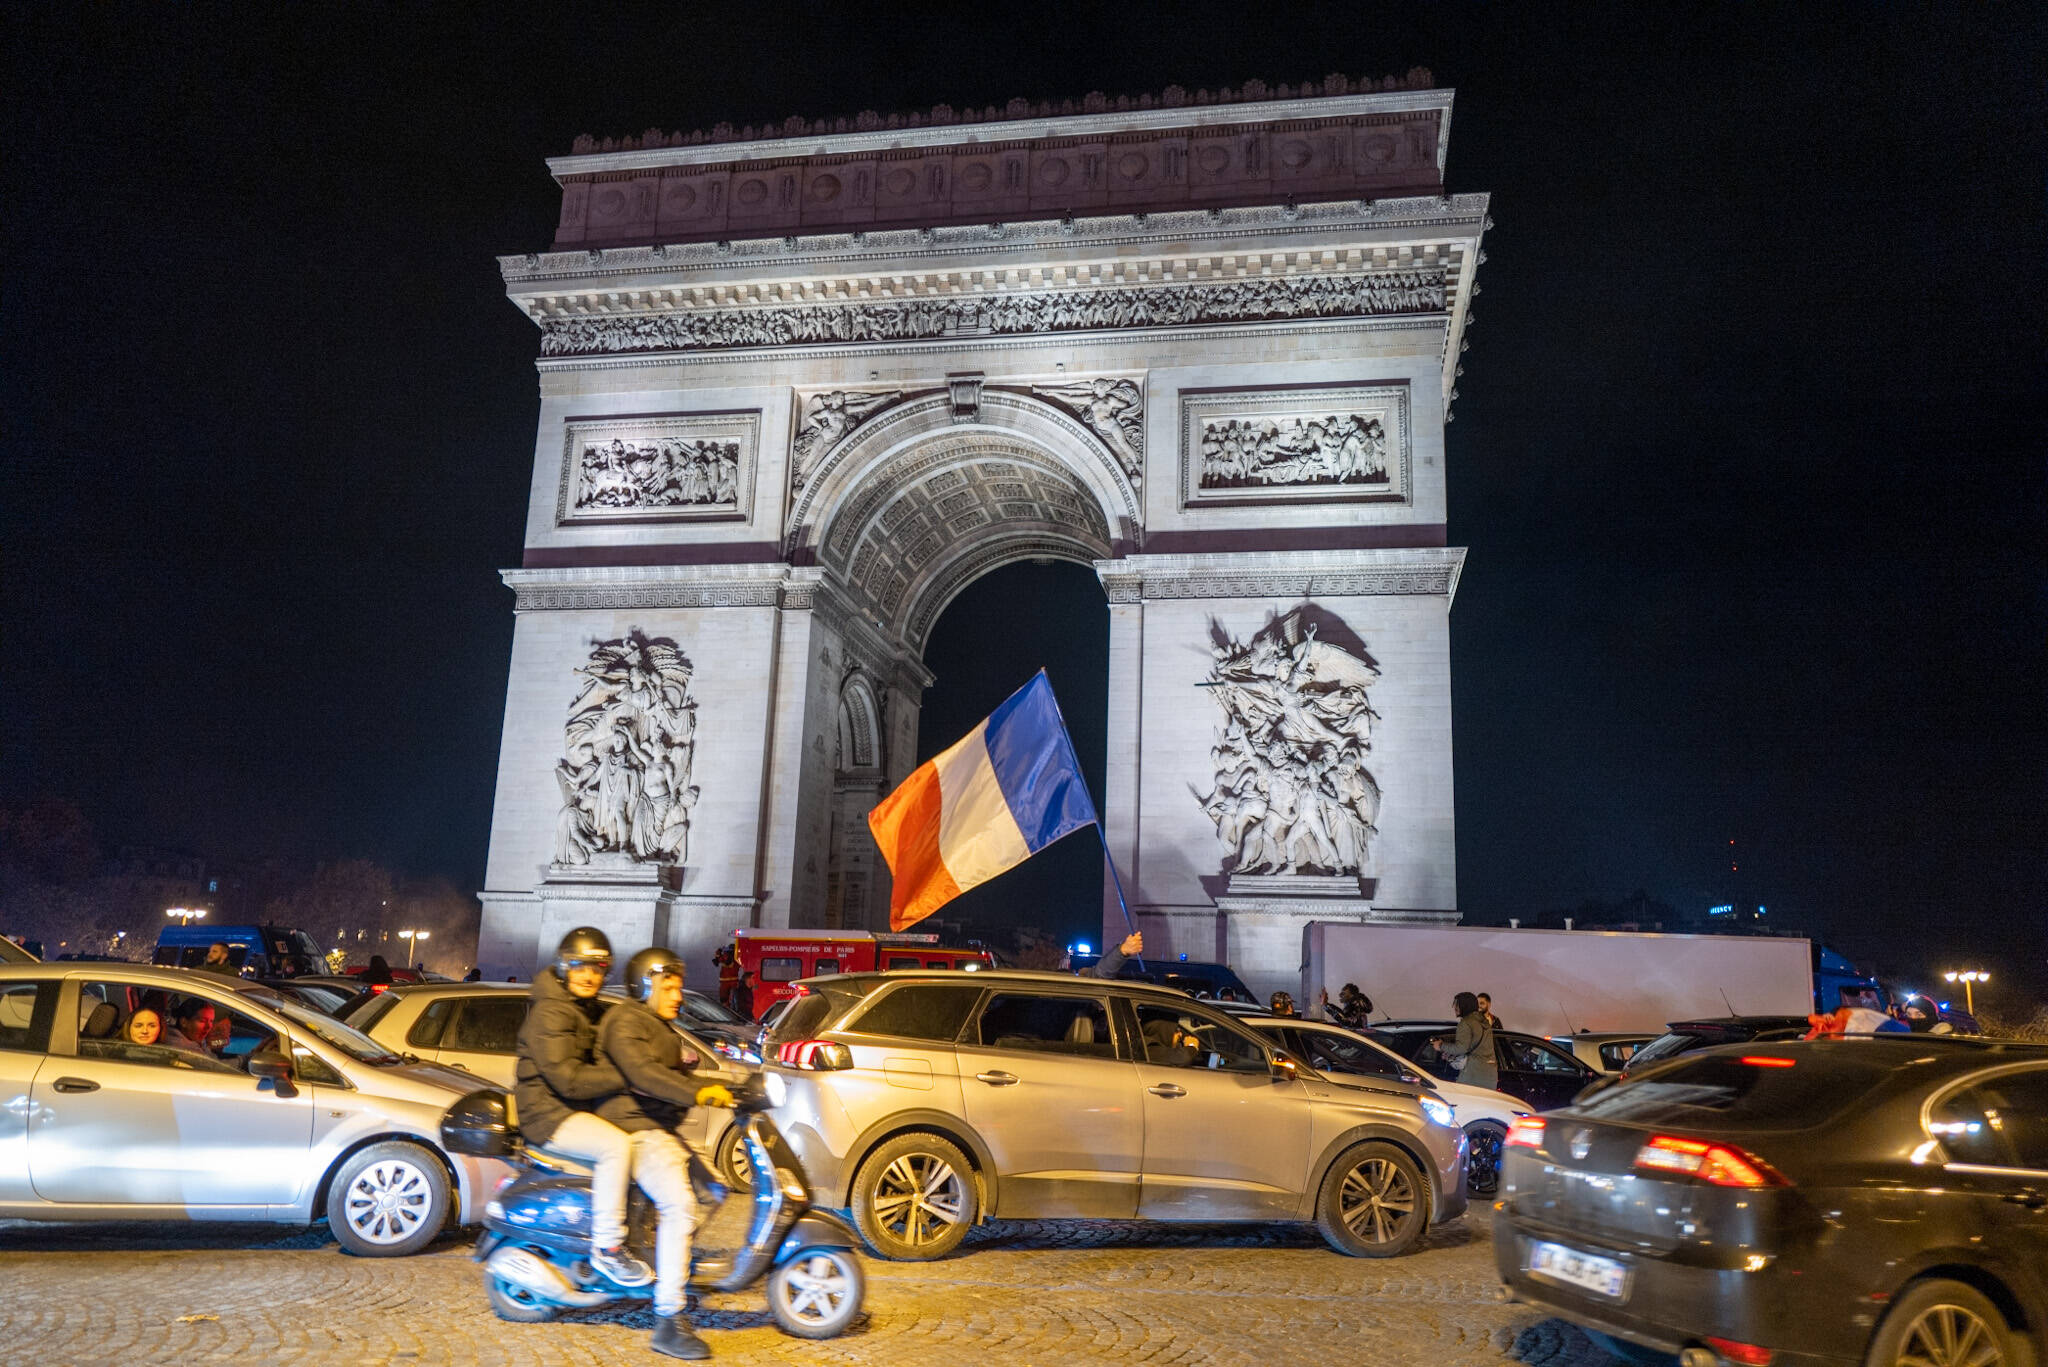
[[1102, 833]]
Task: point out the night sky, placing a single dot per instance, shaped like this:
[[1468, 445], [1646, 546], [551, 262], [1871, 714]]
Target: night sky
[[1749, 456]]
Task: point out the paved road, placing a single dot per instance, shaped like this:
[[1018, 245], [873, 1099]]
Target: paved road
[[1021, 1294]]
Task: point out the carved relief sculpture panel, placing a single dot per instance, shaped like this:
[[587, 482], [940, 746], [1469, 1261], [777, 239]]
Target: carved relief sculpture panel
[[658, 468], [825, 420], [1292, 793], [1113, 409], [628, 749], [1301, 444]]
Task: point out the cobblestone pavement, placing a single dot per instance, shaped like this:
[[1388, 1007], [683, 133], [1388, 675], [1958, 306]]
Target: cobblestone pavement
[[1018, 1294]]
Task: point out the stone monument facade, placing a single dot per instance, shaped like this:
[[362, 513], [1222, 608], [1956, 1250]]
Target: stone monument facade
[[800, 385]]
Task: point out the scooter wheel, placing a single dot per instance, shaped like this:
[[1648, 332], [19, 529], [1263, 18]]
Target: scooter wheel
[[516, 1303], [817, 1293]]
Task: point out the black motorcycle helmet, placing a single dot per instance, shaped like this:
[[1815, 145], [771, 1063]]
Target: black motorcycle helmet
[[583, 945], [650, 963]]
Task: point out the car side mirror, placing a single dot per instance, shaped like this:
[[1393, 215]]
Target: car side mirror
[[1282, 1067], [275, 1069]]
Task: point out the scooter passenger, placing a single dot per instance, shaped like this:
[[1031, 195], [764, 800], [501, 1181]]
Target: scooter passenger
[[636, 1038], [560, 1081]]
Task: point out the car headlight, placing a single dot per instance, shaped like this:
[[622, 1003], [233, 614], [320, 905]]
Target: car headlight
[[778, 1090], [1439, 1111]]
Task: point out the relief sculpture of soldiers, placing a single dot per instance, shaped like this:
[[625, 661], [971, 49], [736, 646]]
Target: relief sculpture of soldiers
[[1330, 448], [630, 742], [669, 473], [1292, 792]]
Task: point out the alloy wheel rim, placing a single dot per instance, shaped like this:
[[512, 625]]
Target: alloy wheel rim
[[1482, 1162], [1376, 1200], [919, 1198], [387, 1202], [816, 1288], [1950, 1336]]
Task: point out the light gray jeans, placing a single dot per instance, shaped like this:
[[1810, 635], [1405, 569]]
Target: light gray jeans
[[610, 1152], [662, 1168]]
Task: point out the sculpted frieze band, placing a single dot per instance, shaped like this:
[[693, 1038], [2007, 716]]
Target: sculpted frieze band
[[1385, 292]]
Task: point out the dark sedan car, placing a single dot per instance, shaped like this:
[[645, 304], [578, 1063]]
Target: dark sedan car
[[1682, 1037], [1879, 1200], [1532, 1069]]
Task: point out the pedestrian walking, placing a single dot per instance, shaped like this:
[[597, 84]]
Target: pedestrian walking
[[1471, 1049]]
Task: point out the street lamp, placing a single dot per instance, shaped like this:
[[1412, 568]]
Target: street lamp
[[414, 937], [186, 915], [1969, 978]]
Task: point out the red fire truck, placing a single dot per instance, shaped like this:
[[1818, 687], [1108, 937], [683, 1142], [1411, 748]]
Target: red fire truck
[[778, 958]]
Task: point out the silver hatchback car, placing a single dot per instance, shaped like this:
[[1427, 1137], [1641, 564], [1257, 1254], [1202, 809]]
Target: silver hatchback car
[[134, 1092], [925, 1101]]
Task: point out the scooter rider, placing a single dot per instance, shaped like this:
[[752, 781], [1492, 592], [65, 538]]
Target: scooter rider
[[636, 1038], [560, 1081]]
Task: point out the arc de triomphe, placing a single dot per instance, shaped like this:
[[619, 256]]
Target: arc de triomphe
[[801, 385]]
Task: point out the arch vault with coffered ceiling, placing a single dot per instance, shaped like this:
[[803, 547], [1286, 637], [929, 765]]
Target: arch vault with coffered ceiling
[[800, 388]]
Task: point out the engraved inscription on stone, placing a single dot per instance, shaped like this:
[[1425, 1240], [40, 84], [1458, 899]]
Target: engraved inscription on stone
[[681, 466], [628, 749], [1292, 793]]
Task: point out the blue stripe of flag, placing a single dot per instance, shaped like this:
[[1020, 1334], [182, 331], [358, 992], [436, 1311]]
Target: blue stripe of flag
[[1035, 765]]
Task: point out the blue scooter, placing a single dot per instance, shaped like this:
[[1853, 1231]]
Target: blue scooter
[[536, 1243]]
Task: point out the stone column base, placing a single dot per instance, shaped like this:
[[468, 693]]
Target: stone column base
[[1264, 917], [636, 905]]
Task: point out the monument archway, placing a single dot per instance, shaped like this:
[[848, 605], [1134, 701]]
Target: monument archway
[[801, 388]]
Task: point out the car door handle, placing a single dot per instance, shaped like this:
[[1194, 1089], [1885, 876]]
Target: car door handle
[[1168, 1090], [997, 1078], [75, 1084], [2030, 1199]]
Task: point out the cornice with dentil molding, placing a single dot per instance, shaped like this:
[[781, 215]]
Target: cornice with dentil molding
[[1283, 574]]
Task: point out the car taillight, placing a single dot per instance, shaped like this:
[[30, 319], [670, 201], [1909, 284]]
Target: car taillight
[[1716, 1164], [1749, 1354], [1526, 1133], [1765, 1061], [817, 1055]]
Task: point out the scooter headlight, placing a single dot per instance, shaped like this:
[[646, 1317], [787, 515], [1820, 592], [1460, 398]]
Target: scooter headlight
[[494, 1209], [778, 1090], [1438, 1111]]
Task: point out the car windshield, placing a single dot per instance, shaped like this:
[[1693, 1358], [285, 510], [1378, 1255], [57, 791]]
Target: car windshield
[[1663, 1047], [350, 1041], [705, 1009]]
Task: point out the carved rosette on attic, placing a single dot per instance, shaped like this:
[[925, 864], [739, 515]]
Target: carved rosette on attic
[[629, 745], [827, 420], [1113, 409], [1292, 792]]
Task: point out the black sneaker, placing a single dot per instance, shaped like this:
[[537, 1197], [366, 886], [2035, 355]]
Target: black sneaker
[[674, 1336], [620, 1266]]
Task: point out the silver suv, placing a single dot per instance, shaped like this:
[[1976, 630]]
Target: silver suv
[[925, 1101]]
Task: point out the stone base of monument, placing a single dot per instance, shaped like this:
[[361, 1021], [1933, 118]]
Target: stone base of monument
[[1263, 918], [637, 905]]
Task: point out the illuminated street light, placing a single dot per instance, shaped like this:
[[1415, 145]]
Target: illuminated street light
[[186, 915], [414, 937], [1969, 978]]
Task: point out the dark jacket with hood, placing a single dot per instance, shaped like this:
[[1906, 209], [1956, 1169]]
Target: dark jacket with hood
[[649, 1055], [558, 1074]]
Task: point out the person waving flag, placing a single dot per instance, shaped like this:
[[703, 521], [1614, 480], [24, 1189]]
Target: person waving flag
[[984, 805]]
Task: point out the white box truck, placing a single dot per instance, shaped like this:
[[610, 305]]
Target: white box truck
[[1559, 982]]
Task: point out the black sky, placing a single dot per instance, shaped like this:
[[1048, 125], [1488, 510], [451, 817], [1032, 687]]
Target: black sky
[[1749, 455]]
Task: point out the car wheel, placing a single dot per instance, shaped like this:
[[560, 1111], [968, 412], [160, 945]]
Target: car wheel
[[1374, 1202], [914, 1199], [388, 1200], [816, 1294], [733, 1168], [1942, 1324], [1483, 1146], [510, 1301]]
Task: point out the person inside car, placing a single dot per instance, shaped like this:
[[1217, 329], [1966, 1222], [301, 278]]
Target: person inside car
[[192, 1028], [637, 1037], [559, 1083], [1281, 1004], [1171, 1044], [144, 1027]]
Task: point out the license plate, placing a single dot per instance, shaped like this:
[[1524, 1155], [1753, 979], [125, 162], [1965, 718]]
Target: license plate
[[1601, 1276]]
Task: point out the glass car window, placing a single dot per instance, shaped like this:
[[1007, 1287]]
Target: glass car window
[[1663, 1047], [1340, 1054], [1614, 1057], [705, 1009], [349, 1040], [1180, 1039], [927, 1011], [2000, 1123], [26, 1010], [487, 1025], [903, 961], [188, 1030], [1723, 1091], [781, 968], [811, 1012], [1047, 1024], [426, 1032], [1528, 1056], [825, 968]]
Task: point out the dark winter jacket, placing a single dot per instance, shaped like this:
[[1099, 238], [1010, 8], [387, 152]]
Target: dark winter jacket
[[558, 1074], [650, 1057], [1109, 965]]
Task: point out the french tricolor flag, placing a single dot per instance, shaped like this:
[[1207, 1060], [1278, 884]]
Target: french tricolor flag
[[986, 804]]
